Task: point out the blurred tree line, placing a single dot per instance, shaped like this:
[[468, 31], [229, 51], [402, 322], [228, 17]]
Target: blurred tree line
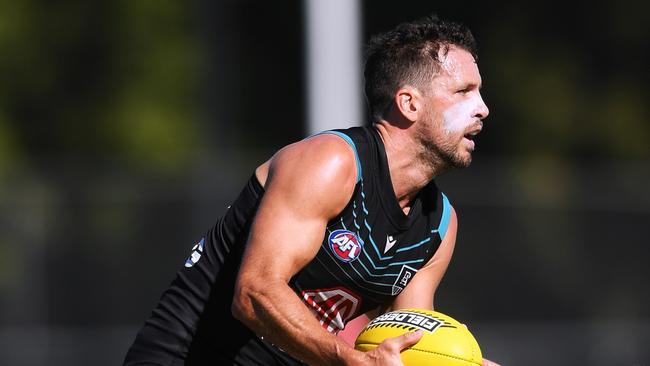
[[119, 80], [98, 81]]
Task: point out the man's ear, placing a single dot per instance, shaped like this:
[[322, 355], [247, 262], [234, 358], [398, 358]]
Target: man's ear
[[408, 101]]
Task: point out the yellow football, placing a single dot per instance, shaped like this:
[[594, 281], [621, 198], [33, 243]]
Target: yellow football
[[445, 342]]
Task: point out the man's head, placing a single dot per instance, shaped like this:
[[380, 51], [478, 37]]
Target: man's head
[[424, 73], [408, 55]]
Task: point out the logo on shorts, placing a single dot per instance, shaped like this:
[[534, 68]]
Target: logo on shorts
[[197, 251], [345, 244]]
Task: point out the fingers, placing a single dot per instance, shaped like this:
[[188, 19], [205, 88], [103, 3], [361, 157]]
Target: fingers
[[489, 363], [405, 340], [388, 351]]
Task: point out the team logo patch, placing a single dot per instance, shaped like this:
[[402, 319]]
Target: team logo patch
[[197, 251], [333, 307], [345, 244], [403, 279], [407, 319]]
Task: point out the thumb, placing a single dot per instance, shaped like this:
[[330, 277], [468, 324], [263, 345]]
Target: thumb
[[408, 339]]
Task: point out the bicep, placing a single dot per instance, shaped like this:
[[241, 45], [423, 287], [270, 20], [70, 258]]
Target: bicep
[[420, 291], [282, 239]]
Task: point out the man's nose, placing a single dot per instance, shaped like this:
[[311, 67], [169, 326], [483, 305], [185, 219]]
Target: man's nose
[[482, 111]]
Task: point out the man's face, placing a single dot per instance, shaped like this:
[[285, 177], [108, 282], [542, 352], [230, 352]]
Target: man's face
[[454, 110]]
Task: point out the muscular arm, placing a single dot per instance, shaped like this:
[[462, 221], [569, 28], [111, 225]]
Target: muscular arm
[[420, 291], [308, 183]]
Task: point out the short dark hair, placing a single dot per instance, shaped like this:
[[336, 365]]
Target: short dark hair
[[408, 55]]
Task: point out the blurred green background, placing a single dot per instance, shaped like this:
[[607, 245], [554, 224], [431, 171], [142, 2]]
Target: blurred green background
[[127, 127]]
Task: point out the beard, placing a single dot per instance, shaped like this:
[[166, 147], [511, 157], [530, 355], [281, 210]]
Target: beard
[[446, 154], [441, 149], [442, 152]]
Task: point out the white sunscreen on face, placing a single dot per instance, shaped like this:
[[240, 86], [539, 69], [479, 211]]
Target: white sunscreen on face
[[457, 117]]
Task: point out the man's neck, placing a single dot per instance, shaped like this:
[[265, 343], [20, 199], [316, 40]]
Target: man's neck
[[409, 172]]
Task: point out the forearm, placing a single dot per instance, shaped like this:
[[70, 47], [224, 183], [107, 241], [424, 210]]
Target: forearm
[[275, 312]]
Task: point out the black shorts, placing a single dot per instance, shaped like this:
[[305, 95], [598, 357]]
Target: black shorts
[[225, 350]]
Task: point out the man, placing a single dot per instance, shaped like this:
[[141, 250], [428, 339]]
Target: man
[[337, 225]]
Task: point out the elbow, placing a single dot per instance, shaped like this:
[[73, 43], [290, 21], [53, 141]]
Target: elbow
[[241, 307], [242, 304]]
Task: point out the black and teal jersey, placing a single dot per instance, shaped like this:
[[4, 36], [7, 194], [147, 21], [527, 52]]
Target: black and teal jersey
[[372, 249], [368, 254]]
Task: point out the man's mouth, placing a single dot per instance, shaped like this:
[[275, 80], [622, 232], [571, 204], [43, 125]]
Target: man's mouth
[[470, 137]]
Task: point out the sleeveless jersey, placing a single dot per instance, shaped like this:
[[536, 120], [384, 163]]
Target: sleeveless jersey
[[369, 253]]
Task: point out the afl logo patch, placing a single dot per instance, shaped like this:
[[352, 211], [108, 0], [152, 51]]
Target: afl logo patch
[[345, 244]]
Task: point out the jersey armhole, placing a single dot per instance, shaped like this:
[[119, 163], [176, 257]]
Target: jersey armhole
[[445, 218], [354, 148]]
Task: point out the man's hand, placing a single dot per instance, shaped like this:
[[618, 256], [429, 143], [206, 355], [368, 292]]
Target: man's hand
[[387, 353]]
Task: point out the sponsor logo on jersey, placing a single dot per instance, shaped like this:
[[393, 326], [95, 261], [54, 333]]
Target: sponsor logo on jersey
[[403, 279], [332, 307], [416, 320], [197, 251], [345, 244], [390, 242]]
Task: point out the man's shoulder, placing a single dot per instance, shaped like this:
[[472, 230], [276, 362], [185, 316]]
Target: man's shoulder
[[324, 157], [317, 174]]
